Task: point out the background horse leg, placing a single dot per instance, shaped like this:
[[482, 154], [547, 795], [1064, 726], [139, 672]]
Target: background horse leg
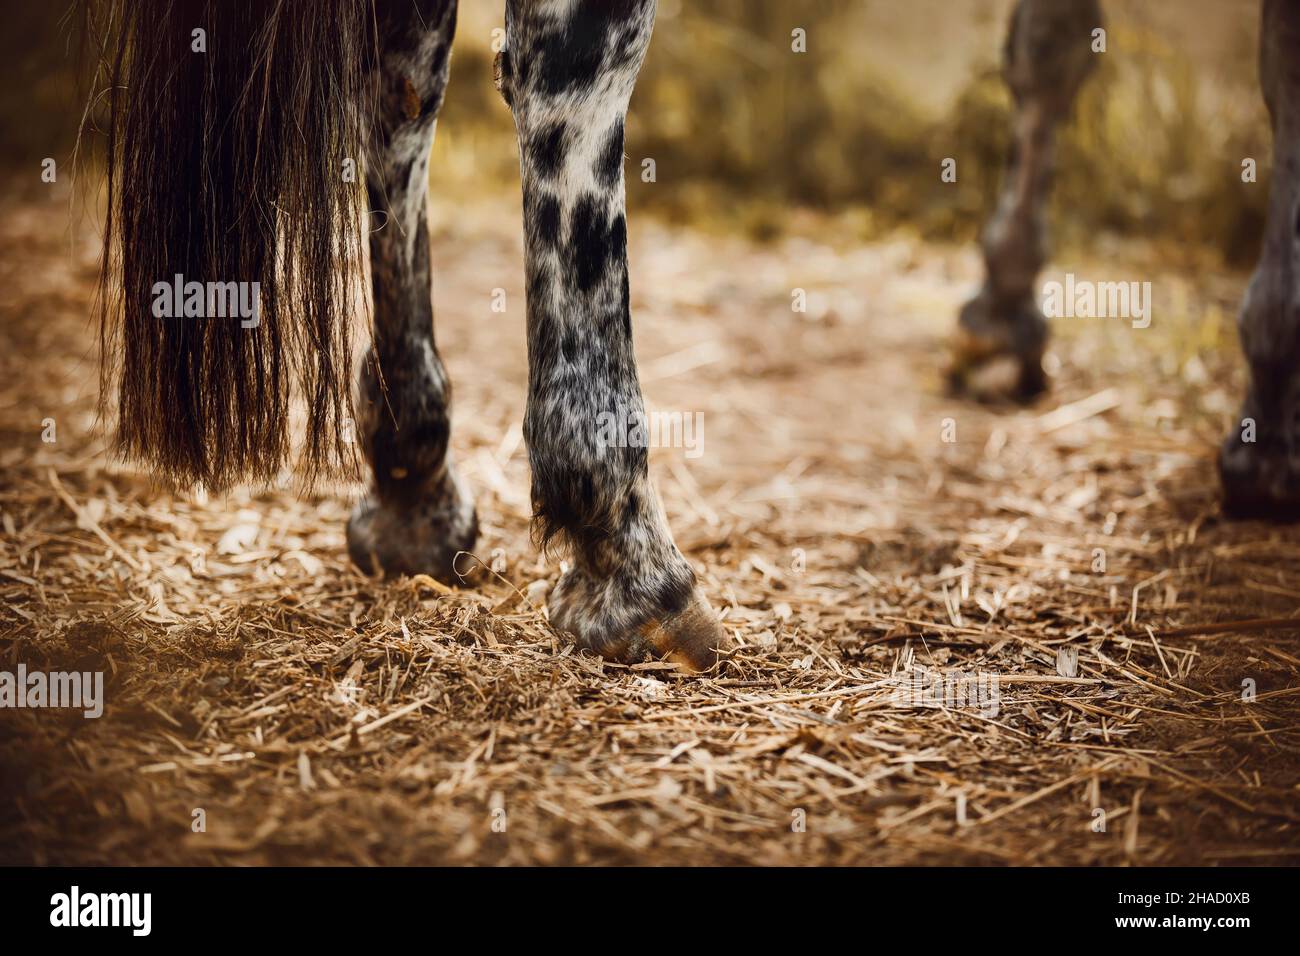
[[418, 514], [1047, 57], [568, 73], [1259, 462]]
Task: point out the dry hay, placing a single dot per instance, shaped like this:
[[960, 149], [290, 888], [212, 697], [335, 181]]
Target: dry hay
[[319, 716]]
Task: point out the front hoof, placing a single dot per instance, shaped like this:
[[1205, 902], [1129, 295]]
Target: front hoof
[[621, 625], [1258, 482], [997, 351], [421, 538], [995, 377]]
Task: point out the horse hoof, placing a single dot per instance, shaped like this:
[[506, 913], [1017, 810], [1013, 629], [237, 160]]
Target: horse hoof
[[422, 537], [997, 377], [997, 351], [604, 618], [1258, 481]]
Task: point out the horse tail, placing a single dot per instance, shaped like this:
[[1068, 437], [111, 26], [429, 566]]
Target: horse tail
[[231, 128]]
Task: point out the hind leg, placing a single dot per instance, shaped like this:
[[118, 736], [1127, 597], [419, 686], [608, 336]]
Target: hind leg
[[1262, 476], [418, 514], [567, 74], [1048, 55]]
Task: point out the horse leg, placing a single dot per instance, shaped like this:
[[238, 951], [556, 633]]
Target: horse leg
[[1259, 462], [1047, 57], [418, 514], [567, 74]]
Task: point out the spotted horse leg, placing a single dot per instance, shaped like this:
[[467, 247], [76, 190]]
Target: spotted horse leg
[[1259, 461], [1048, 55], [418, 514], [567, 74]]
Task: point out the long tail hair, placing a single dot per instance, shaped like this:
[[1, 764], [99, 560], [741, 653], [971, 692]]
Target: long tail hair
[[227, 158]]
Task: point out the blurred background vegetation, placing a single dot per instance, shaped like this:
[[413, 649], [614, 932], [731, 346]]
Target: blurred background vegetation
[[748, 135], [744, 131]]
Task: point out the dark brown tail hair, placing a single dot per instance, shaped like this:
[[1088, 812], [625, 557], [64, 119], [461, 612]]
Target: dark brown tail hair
[[228, 166]]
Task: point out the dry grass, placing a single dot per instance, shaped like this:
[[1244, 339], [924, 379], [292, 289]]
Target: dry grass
[[318, 716]]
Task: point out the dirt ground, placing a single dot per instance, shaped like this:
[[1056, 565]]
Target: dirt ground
[[266, 703]]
